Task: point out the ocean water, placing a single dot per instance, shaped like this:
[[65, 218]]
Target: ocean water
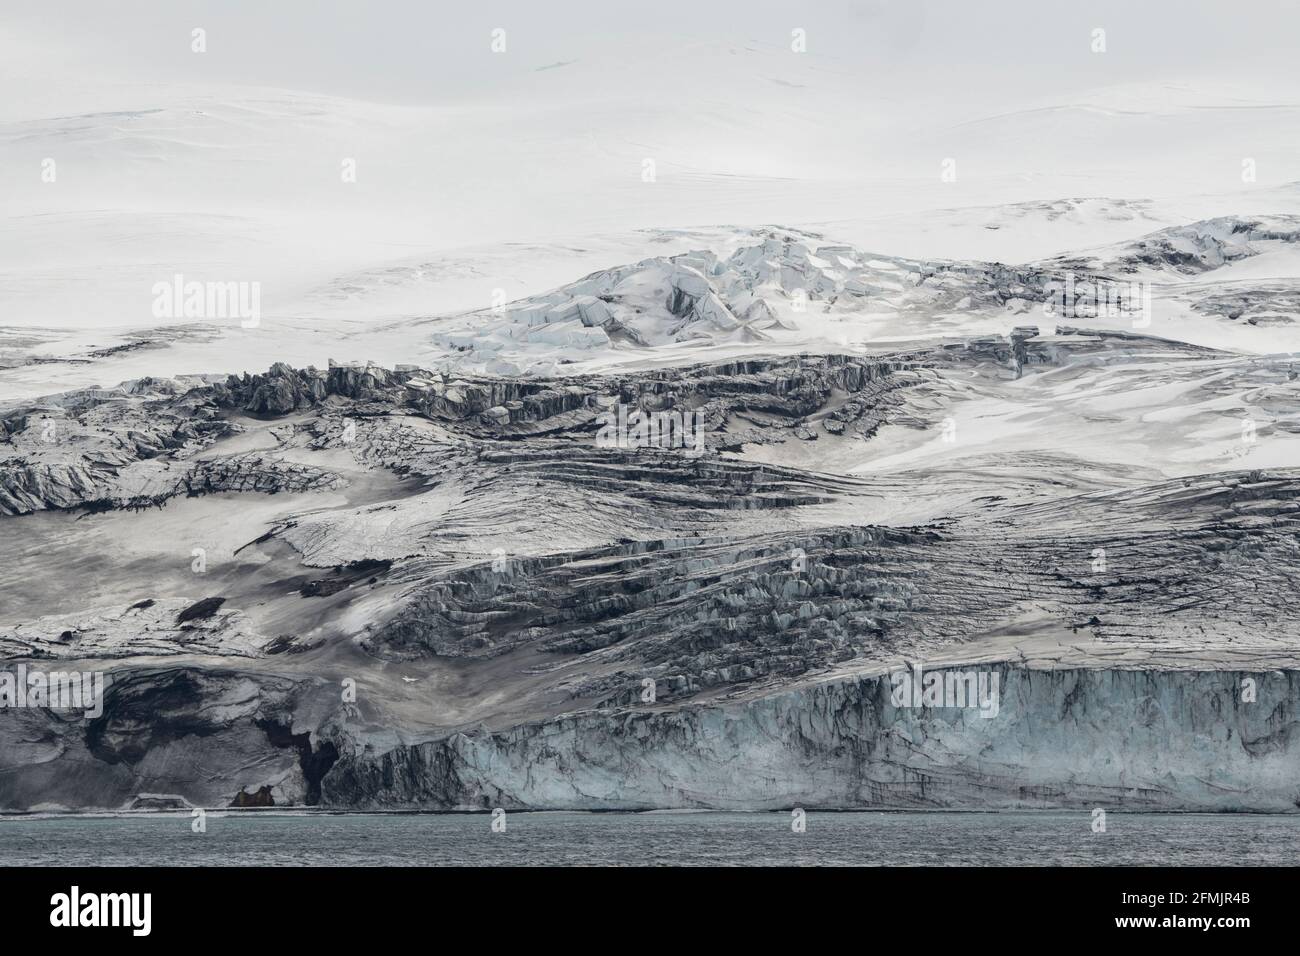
[[282, 838]]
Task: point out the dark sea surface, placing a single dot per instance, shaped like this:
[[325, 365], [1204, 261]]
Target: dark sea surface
[[235, 838]]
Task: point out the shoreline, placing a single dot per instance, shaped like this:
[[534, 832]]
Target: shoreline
[[19, 815]]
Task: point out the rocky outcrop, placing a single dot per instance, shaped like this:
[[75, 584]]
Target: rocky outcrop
[[282, 389], [141, 450], [197, 734], [43, 486]]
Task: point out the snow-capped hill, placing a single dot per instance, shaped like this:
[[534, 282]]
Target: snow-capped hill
[[792, 287], [779, 285], [1188, 250]]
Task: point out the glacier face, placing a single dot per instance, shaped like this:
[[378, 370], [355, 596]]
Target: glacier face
[[1186, 740], [1136, 739]]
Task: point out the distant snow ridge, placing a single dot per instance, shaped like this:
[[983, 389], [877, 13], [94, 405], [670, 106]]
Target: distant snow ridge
[[755, 294], [1187, 250], [791, 287], [670, 299]]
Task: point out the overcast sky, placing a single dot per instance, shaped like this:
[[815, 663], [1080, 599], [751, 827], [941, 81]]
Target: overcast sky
[[415, 51]]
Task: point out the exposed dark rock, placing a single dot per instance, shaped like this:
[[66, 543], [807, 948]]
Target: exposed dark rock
[[201, 610], [261, 798]]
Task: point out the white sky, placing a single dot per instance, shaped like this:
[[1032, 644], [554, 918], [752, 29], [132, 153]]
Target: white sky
[[416, 51]]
